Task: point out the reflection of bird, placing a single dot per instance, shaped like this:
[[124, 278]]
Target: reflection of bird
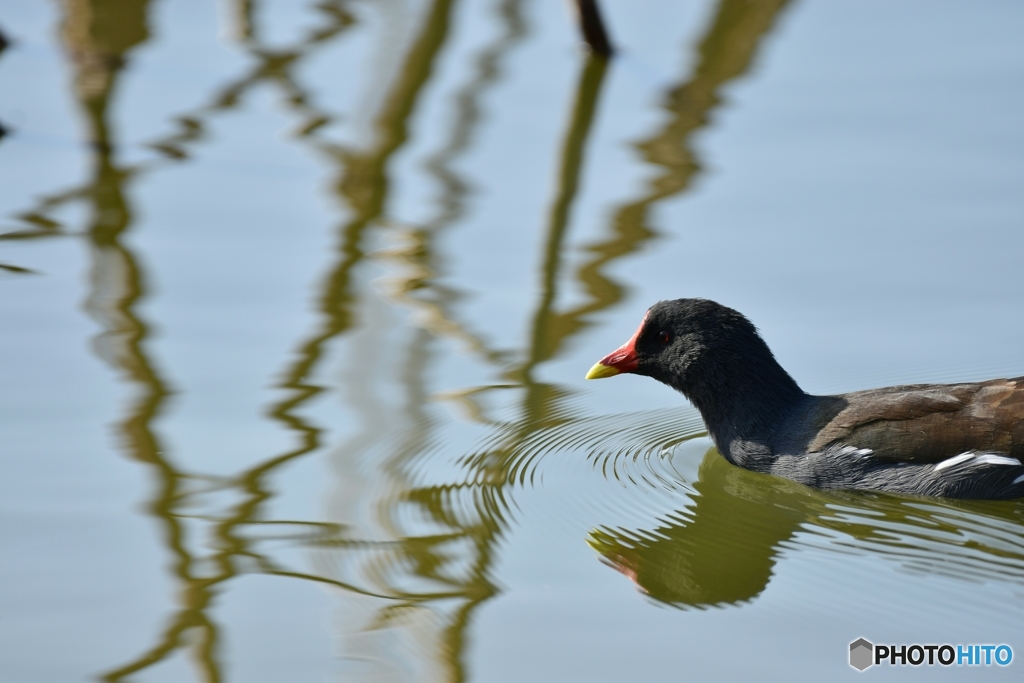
[[721, 551], [955, 440], [723, 548]]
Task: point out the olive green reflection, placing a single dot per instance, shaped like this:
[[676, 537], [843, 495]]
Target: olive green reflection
[[723, 549], [727, 50], [473, 512], [99, 36]]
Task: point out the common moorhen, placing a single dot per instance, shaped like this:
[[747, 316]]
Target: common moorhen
[[952, 440]]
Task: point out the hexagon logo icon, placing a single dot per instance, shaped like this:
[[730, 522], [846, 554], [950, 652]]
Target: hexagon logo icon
[[861, 652]]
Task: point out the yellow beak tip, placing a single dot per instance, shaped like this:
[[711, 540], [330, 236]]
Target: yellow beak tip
[[600, 371]]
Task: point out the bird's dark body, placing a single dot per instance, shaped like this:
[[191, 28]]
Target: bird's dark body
[[955, 440]]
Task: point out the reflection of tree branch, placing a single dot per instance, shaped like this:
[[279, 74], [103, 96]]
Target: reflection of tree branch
[[11, 268], [726, 52], [549, 330], [117, 288], [485, 529], [427, 554], [173, 639], [363, 187], [362, 184], [252, 482], [485, 534], [420, 288], [363, 179], [588, 15], [733, 33], [98, 35], [274, 66]]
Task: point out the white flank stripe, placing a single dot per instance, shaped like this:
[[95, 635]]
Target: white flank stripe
[[1018, 479], [853, 451], [978, 459], [993, 459], [955, 460]]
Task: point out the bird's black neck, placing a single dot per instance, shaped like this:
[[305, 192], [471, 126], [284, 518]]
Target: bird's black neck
[[743, 398]]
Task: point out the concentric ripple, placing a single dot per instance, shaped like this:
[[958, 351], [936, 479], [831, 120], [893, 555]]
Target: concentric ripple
[[629, 447], [722, 545]]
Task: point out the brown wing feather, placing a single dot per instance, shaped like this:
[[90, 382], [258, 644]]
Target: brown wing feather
[[928, 423]]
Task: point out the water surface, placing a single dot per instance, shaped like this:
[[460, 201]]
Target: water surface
[[297, 301]]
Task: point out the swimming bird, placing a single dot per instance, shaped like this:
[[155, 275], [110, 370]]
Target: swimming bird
[[951, 440]]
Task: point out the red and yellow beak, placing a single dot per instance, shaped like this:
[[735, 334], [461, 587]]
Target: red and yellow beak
[[622, 359]]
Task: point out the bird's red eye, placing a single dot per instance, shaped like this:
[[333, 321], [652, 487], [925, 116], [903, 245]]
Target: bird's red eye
[[664, 337]]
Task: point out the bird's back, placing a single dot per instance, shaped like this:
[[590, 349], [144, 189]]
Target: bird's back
[[926, 423]]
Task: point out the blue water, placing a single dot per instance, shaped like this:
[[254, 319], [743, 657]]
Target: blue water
[[297, 301]]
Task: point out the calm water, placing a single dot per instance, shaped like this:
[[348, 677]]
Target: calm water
[[297, 300]]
